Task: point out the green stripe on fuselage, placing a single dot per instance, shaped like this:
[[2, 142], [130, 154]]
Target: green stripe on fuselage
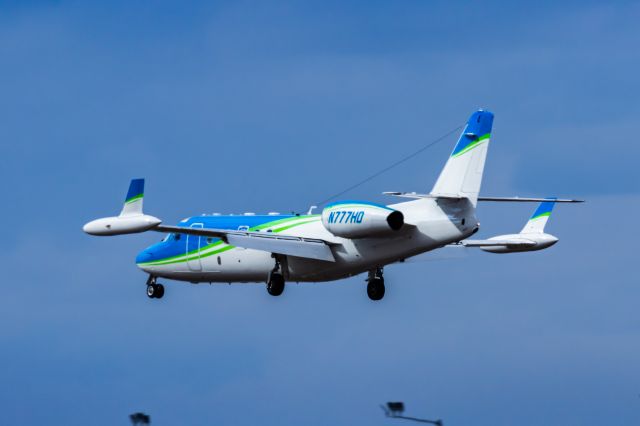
[[183, 256], [284, 228], [281, 221], [186, 259], [194, 254]]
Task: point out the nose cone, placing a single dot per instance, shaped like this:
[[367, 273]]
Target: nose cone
[[143, 257], [147, 259]]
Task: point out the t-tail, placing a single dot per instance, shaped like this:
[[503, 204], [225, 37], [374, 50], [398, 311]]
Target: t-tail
[[539, 219], [462, 175]]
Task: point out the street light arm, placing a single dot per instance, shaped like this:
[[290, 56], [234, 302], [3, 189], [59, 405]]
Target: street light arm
[[415, 419]]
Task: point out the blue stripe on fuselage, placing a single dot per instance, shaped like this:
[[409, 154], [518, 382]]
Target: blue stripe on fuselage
[[366, 203]]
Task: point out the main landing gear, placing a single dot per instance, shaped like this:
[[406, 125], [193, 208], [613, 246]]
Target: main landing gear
[[375, 284], [275, 282], [154, 290]]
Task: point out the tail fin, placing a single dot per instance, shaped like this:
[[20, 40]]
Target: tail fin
[[539, 219], [462, 175], [131, 219], [133, 202]]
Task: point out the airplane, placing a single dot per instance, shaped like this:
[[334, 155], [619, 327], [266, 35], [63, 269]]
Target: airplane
[[347, 238]]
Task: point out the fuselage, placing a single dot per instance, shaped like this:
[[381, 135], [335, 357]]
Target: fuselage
[[429, 224]]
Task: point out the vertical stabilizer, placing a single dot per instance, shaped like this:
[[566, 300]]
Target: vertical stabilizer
[[462, 175], [539, 219], [133, 202]]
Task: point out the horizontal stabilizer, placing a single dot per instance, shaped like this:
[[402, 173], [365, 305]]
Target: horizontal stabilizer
[[528, 200], [415, 195]]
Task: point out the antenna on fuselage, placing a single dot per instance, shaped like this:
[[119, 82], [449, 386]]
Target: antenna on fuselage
[[310, 211]]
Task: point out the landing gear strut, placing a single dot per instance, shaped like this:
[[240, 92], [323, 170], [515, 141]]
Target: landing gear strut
[[154, 290], [275, 283], [375, 285]]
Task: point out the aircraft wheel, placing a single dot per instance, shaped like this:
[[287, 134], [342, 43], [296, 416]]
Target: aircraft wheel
[[159, 291], [375, 289], [275, 286], [152, 290]]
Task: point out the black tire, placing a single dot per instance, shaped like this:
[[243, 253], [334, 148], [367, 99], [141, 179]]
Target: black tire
[[152, 290], [159, 291], [375, 289], [275, 286]]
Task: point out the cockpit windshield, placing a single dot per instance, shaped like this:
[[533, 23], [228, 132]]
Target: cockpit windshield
[[171, 237]]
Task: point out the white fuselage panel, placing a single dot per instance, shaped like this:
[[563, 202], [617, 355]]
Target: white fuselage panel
[[429, 224]]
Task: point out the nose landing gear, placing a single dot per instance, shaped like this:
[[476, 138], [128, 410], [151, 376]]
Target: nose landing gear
[[154, 290], [375, 284]]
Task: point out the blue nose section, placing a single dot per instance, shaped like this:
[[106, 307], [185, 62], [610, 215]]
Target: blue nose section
[[144, 256]]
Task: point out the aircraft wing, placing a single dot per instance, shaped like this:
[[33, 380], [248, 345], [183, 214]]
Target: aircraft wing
[[311, 248], [495, 243]]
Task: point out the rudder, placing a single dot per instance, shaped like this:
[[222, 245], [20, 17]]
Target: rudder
[[539, 219], [462, 175], [133, 200]]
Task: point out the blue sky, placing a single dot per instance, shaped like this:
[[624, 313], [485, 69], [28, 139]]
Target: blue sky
[[237, 106]]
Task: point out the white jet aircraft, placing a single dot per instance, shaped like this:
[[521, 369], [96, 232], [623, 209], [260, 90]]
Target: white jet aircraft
[[347, 239]]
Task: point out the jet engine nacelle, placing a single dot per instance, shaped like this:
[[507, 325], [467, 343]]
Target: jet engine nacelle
[[360, 220]]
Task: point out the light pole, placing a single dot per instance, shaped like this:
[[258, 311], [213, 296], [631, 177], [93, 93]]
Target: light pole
[[395, 410]]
